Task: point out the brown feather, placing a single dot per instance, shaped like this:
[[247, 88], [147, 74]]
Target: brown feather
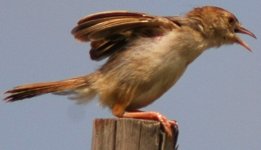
[[110, 32], [108, 14], [106, 48], [35, 89]]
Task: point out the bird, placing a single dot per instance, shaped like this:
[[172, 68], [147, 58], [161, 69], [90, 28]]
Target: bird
[[145, 55]]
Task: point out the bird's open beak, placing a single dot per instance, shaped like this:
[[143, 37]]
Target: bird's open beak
[[243, 30]]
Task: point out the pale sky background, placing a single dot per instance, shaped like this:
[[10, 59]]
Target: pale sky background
[[217, 102]]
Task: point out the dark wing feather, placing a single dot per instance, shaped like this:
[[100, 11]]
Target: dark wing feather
[[111, 31], [104, 48]]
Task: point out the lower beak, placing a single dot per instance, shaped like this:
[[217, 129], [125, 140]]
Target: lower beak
[[243, 30]]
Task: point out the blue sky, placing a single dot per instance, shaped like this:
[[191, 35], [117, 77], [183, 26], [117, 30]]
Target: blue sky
[[217, 101]]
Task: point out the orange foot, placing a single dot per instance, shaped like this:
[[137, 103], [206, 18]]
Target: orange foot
[[168, 125]]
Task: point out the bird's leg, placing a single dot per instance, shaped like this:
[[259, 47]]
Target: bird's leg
[[168, 125]]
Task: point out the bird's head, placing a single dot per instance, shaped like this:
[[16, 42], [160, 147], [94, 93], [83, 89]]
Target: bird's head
[[219, 26]]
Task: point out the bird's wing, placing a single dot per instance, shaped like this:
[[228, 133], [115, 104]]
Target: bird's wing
[[109, 32]]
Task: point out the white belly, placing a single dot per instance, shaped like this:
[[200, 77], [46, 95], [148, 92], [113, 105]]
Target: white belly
[[161, 81]]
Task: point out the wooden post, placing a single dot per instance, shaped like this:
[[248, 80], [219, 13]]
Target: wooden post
[[131, 134]]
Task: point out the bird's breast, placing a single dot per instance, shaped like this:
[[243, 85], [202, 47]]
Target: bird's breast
[[160, 68]]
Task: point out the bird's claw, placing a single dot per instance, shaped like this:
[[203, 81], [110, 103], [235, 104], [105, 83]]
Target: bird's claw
[[168, 125]]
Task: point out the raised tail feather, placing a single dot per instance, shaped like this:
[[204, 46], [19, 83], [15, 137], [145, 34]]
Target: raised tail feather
[[36, 89]]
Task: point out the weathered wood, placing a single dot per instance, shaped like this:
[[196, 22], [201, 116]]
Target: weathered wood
[[131, 134]]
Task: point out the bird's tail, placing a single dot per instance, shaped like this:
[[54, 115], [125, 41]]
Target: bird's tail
[[64, 87]]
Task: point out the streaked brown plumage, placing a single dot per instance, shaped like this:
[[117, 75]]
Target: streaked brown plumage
[[146, 56]]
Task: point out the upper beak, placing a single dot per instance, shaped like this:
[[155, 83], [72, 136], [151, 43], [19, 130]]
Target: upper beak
[[243, 30]]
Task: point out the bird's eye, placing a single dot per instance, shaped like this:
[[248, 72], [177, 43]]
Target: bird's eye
[[231, 20]]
